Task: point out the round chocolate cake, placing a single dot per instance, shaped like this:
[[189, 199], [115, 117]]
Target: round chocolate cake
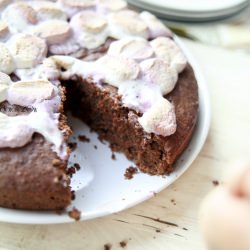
[[119, 71]]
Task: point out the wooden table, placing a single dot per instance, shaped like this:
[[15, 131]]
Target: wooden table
[[169, 220]]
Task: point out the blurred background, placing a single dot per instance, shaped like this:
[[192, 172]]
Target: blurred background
[[224, 23]]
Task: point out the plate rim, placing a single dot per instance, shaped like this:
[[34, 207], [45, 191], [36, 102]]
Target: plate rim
[[184, 8], [189, 16]]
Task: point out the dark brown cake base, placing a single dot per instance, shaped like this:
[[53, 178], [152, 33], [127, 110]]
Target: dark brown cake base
[[33, 177], [102, 110]]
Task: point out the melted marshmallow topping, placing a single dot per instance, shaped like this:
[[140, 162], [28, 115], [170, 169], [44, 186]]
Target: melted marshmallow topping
[[142, 71]]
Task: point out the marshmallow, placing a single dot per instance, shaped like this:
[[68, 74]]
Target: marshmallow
[[5, 82], [89, 40], [25, 93], [50, 70], [134, 48], [28, 50], [160, 118], [48, 10], [90, 29], [53, 31], [89, 21], [117, 69], [158, 72], [156, 27], [112, 5], [64, 62], [19, 17], [7, 64], [166, 49], [127, 23]]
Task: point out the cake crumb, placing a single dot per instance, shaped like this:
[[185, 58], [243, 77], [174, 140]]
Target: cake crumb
[[83, 138], [77, 166], [72, 146], [173, 201], [123, 244], [113, 157], [130, 171], [75, 214], [215, 182], [73, 195], [71, 171], [154, 193], [107, 246], [59, 211]]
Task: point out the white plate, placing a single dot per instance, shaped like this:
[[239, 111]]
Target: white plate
[[101, 188], [192, 10], [194, 5]]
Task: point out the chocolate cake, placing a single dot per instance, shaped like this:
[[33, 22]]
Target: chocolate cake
[[119, 71]]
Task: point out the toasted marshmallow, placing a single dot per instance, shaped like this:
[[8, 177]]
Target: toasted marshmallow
[[160, 119], [19, 17], [166, 49], [7, 64], [53, 31], [89, 29], [50, 70], [89, 21], [158, 72], [127, 23], [156, 27], [47, 10], [64, 62], [5, 82], [25, 93], [134, 48], [28, 50], [111, 5], [117, 69], [4, 30]]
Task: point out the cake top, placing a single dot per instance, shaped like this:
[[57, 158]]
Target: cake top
[[40, 38]]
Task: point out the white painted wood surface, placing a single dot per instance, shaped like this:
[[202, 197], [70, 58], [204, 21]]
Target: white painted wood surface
[[228, 77]]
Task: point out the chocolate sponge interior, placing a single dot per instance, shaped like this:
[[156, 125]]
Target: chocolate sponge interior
[[102, 110]]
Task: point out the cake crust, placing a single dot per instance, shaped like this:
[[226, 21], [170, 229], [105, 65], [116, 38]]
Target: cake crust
[[32, 177]]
